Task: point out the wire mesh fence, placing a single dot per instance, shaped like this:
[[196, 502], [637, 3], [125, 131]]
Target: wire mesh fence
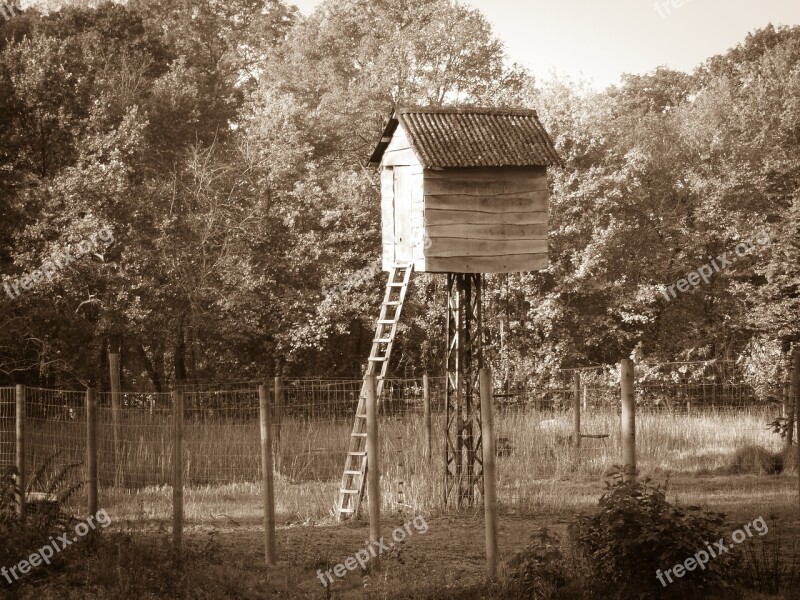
[[688, 417], [675, 386], [221, 431], [7, 427]]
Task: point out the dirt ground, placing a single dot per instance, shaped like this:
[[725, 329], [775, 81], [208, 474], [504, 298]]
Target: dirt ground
[[441, 556], [450, 554]]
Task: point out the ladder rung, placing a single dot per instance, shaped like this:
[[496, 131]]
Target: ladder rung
[[395, 284], [361, 416], [381, 340], [357, 453], [346, 510], [377, 358], [393, 303], [348, 491], [359, 434], [353, 473], [386, 321]]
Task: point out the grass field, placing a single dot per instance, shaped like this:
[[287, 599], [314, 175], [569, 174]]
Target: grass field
[[538, 468], [542, 481]]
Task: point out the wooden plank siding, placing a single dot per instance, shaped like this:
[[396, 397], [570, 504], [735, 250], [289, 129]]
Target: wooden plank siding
[[453, 247], [387, 217], [491, 220], [417, 214], [487, 264], [399, 152]]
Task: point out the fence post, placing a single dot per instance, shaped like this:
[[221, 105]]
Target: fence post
[[22, 482], [278, 420], [576, 409], [628, 420], [91, 448], [795, 400], [114, 373], [266, 471], [426, 406], [790, 417], [585, 397], [373, 467], [489, 481], [177, 472]]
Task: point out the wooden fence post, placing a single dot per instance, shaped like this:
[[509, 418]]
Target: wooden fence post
[[426, 406], [576, 409], [790, 417], [177, 472], [489, 475], [91, 448], [266, 471], [628, 420], [22, 482], [795, 401], [278, 420], [373, 467], [114, 372]]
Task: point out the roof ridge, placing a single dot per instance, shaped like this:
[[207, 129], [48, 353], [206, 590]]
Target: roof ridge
[[467, 110]]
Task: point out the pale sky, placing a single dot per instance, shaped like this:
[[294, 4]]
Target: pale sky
[[599, 40]]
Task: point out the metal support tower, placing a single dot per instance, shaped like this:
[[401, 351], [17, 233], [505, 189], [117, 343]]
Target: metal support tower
[[462, 452]]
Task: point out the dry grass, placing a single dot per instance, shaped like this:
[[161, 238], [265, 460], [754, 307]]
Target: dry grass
[[539, 469]]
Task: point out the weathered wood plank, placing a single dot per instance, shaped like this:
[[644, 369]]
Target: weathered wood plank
[[496, 188], [487, 173], [417, 189], [399, 151], [387, 209], [453, 217], [403, 157], [399, 140], [510, 203], [489, 232], [497, 264], [402, 214], [453, 247]]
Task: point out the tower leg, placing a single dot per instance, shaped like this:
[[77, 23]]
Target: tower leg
[[463, 458]]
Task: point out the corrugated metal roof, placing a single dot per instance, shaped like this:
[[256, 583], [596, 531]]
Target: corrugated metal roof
[[472, 137]]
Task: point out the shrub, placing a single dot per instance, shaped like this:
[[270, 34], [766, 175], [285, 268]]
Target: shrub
[[537, 570], [22, 536], [637, 532], [756, 460]]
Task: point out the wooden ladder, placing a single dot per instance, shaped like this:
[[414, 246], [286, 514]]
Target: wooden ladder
[[355, 466]]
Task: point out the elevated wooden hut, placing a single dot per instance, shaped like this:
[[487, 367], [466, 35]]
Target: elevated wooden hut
[[464, 190]]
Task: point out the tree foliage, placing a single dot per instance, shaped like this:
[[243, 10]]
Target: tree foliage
[[223, 144]]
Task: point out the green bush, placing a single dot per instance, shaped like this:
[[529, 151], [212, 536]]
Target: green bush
[[637, 532], [21, 537], [538, 569]]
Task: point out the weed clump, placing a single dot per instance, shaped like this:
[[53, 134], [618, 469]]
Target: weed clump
[[756, 460]]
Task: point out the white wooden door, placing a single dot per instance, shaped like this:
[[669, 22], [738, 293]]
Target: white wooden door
[[402, 214]]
